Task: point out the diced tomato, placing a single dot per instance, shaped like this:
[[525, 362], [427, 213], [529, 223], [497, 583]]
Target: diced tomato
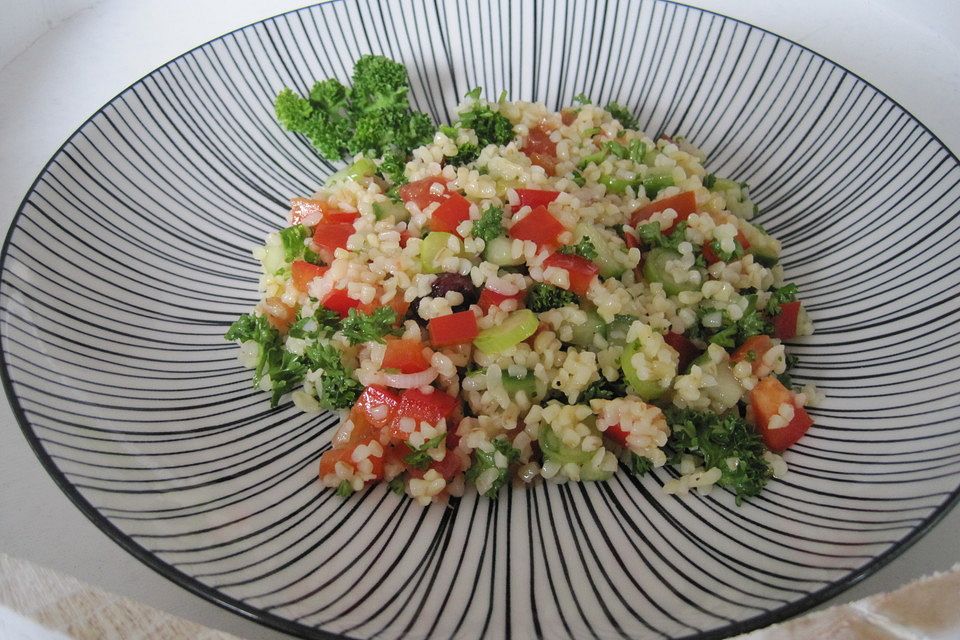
[[683, 203], [279, 314], [330, 236], [421, 193], [541, 150], [538, 141], [308, 211], [711, 256], [582, 271], [338, 301], [303, 273], [540, 227], [422, 407], [400, 307], [536, 197], [453, 210], [490, 298], [406, 355], [449, 467], [330, 458], [617, 434], [630, 240], [371, 399], [456, 328], [568, 117], [765, 400], [404, 238], [785, 322], [752, 351], [687, 350]]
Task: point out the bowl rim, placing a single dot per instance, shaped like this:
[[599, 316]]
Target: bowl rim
[[285, 625]]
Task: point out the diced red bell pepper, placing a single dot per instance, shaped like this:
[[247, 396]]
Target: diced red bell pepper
[[371, 399], [752, 350], [330, 458], [687, 351], [490, 298], [765, 400], [421, 192], [539, 227], [338, 301], [785, 322], [456, 328], [683, 203], [536, 197], [422, 407], [582, 271], [330, 236], [303, 273], [453, 210], [405, 355]]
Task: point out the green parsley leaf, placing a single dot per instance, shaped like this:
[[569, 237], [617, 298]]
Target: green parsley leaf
[[360, 327], [419, 457], [490, 224], [584, 248]]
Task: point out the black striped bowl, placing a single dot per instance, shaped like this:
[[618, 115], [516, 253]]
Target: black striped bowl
[[131, 254]]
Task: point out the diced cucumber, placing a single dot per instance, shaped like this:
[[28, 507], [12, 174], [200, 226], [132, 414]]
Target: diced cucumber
[[647, 389], [362, 168], [617, 330], [435, 248], [737, 197], [583, 333], [389, 209], [764, 247], [611, 251], [554, 449], [499, 251], [727, 392], [655, 270], [518, 326], [657, 179], [527, 384]]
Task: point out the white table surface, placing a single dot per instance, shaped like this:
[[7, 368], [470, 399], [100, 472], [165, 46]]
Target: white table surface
[[60, 60]]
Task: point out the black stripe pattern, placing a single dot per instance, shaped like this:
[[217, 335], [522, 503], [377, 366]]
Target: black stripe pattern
[[131, 254]]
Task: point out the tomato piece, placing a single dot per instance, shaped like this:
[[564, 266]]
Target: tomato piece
[[549, 163], [421, 193], [338, 301], [568, 117], [279, 314], [539, 227], [449, 467], [538, 141], [330, 236], [752, 351], [683, 203], [711, 256], [456, 328], [453, 210], [400, 307], [490, 298], [330, 458], [616, 433], [310, 212], [765, 400], [536, 197], [687, 351], [405, 355], [582, 271], [785, 322], [303, 273], [422, 407], [370, 401]]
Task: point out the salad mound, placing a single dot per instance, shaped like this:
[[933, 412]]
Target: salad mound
[[522, 295]]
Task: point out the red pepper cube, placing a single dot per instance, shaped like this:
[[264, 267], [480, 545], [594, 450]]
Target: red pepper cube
[[456, 328], [539, 227], [683, 203], [582, 271], [404, 355], [536, 197]]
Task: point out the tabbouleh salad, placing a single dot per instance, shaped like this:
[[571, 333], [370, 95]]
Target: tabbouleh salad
[[522, 295]]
